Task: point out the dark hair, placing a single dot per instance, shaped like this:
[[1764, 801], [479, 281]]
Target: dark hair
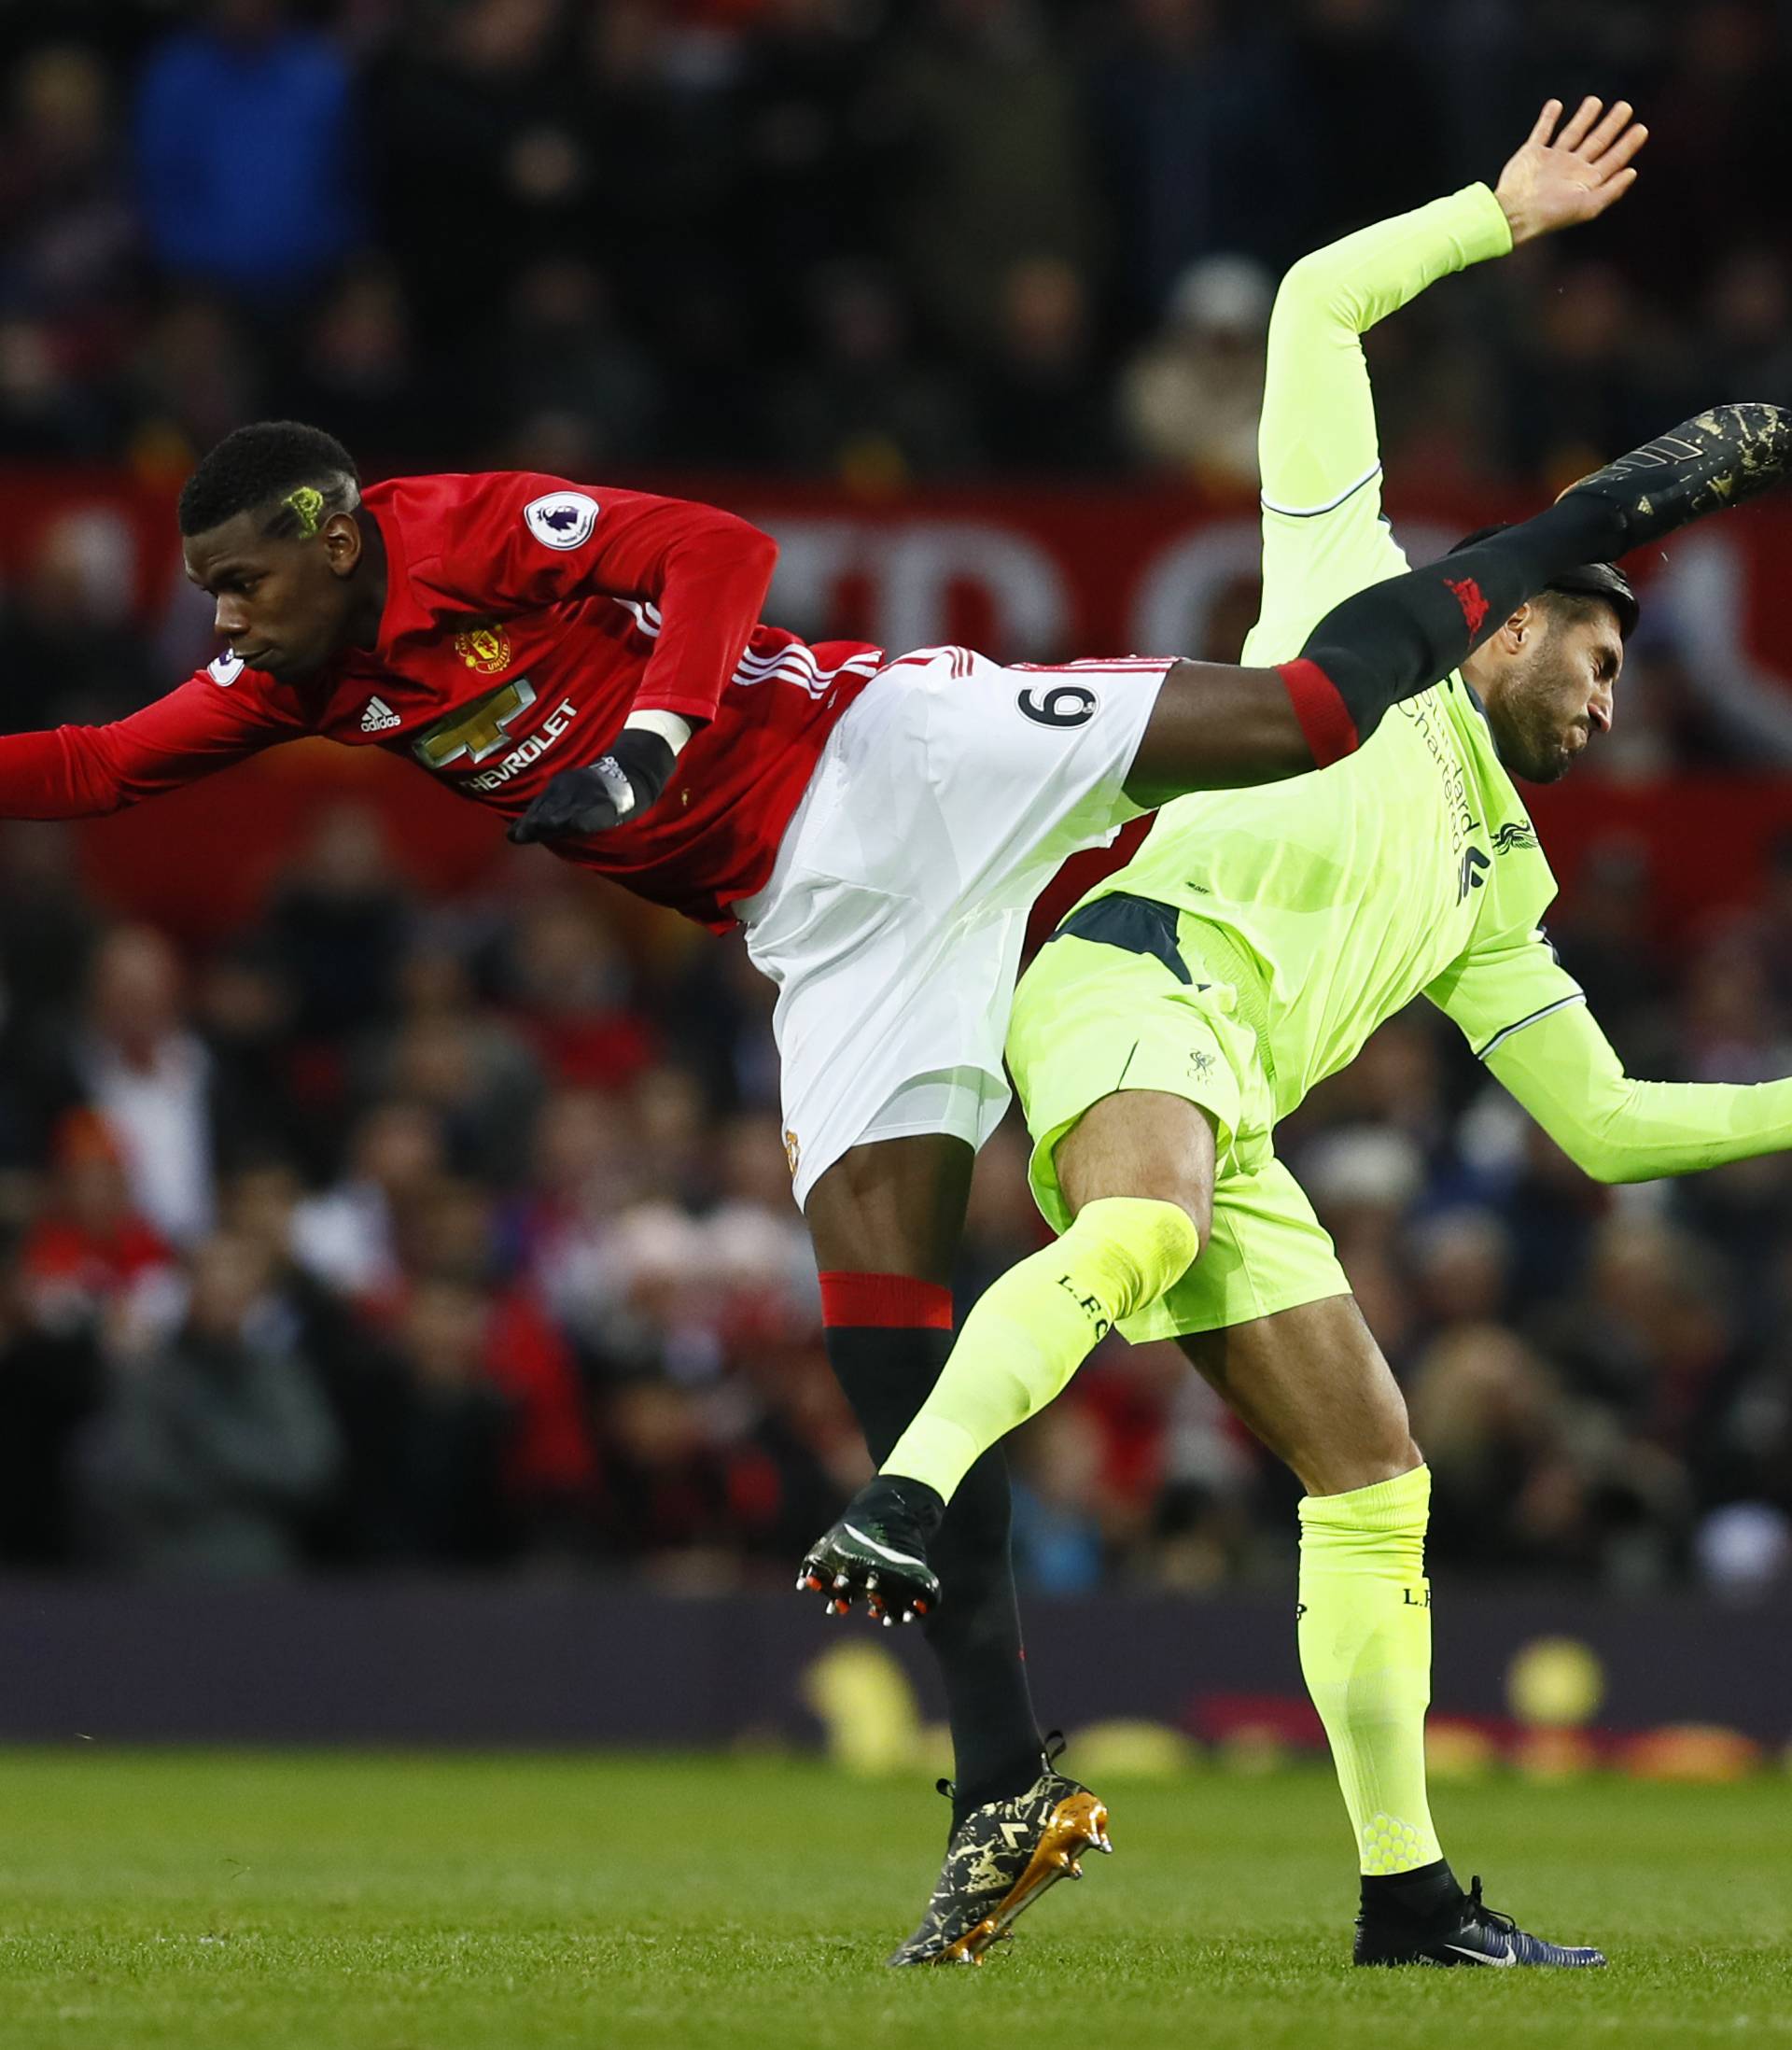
[[300, 474]]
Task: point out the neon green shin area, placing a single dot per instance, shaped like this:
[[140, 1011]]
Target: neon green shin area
[[1033, 1328], [1365, 1651]]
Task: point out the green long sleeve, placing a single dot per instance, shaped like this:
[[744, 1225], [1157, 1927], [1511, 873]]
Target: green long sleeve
[[1323, 537], [1564, 1071]]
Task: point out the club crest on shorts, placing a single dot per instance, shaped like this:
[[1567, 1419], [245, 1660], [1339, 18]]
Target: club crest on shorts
[[476, 730], [792, 1150], [485, 647], [560, 519]]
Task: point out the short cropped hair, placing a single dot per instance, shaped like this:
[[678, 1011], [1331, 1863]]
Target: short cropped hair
[[298, 475]]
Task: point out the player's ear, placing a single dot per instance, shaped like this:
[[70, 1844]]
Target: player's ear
[[341, 539], [1522, 624]]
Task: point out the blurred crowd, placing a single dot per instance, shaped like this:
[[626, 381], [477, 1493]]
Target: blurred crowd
[[456, 1234], [873, 239], [402, 1233]]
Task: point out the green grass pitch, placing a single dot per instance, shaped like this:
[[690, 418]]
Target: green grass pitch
[[266, 1902]]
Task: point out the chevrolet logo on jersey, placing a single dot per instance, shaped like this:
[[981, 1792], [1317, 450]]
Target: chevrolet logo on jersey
[[476, 730]]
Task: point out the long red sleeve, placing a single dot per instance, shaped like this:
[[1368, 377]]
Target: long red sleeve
[[700, 574], [79, 772]]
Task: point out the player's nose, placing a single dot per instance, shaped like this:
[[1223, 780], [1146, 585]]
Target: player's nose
[[229, 620], [1599, 711]]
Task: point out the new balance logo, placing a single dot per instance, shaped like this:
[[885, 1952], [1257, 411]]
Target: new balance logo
[[379, 717], [1473, 861]]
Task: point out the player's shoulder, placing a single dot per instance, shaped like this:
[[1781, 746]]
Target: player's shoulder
[[459, 519]]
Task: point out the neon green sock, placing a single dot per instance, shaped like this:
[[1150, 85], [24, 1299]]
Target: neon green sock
[[1366, 1649], [1032, 1328]]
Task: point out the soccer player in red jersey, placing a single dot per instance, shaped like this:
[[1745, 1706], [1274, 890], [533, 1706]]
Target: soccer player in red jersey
[[590, 664]]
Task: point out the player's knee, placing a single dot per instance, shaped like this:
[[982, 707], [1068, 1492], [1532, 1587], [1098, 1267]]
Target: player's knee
[[1142, 1144], [1381, 1452]]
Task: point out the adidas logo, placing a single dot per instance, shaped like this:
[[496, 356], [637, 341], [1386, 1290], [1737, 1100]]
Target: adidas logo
[[379, 717]]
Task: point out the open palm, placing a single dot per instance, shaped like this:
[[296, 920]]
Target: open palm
[[1550, 184]]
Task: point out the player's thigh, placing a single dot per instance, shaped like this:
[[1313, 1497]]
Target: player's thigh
[[1142, 1143], [1311, 1383], [1135, 1078], [895, 1206]]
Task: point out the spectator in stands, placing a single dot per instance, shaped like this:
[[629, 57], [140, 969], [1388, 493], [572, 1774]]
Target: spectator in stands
[[446, 1488], [195, 374], [78, 652], [1043, 402], [572, 394], [66, 231], [979, 103], [348, 1235], [1179, 105], [1190, 398], [338, 925], [247, 153], [863, 408], [361, 374], [213, 1450], [136, 1059]]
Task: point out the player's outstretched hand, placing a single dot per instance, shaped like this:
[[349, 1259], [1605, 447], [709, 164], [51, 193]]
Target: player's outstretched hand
[[575, 803], [1586, 168], [582, 801]]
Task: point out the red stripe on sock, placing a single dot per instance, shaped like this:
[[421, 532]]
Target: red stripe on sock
[[891, 1301], [1324, 718]]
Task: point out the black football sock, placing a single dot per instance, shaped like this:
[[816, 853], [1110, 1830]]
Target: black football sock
[[1399, 637], [888, 1337], [1422, 1895]]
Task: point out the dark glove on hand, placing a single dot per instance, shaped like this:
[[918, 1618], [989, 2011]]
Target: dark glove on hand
[[617, 786]]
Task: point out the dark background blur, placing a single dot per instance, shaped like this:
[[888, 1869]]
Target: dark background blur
[[397, 1218]]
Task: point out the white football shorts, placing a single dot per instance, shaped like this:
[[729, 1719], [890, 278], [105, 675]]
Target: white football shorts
[[942, 805]]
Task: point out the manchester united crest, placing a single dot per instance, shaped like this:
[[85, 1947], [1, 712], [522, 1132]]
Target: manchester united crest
[[486, 648]]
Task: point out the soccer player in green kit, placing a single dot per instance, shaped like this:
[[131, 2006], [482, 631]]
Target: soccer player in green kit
[[1250, 949]]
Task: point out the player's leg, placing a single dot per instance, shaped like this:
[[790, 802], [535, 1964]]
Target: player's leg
[[1311, 1382], [885, 1221], [1129, 1064], [1138, 1221], [1215, 728]]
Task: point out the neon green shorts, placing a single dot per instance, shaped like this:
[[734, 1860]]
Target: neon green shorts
[[1140, 1007]]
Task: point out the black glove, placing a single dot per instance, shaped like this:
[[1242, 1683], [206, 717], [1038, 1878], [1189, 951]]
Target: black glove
[[617, 786]]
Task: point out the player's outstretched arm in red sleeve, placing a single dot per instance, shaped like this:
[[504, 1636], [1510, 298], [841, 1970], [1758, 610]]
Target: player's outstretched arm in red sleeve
[[80, 772]]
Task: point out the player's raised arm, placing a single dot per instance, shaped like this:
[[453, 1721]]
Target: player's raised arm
[[699, 576], [1318, 449], [81, 772]]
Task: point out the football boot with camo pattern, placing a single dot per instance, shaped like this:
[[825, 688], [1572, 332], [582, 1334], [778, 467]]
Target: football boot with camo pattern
[[1001, 1859]]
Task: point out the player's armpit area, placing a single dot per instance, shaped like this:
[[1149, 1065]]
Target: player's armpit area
[[1564, 1070]]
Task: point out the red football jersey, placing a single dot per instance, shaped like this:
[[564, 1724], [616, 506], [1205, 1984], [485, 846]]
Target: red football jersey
[[525, 618]]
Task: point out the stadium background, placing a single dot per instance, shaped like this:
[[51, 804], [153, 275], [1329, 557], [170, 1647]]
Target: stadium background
[[381, 1202]]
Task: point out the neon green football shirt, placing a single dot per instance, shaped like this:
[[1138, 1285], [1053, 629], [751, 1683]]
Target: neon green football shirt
[[1411, 865]]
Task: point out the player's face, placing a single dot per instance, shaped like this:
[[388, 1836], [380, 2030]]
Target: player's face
[[1552, 693], [284, 606]]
